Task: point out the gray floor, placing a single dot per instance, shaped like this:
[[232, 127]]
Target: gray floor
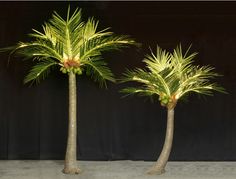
[[48, 169]]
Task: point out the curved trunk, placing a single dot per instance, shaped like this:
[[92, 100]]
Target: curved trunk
[[159, 167], [70, 166]]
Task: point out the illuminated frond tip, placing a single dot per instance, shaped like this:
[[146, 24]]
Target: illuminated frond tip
[[22, 45]]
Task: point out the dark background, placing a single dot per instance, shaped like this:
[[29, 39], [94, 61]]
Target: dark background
[[33, 120]]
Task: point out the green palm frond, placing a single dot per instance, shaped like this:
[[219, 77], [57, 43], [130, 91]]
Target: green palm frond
[[67, 32], [197, 79], [96, 46], [158, 62], [149, 80], [183, 62], [171, 76], [90, 28], [40, 71], [141, 91], [99, 71], [38, 48]]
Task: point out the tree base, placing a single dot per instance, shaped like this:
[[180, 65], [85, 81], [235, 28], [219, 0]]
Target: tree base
[[156, 171], [71, 171]]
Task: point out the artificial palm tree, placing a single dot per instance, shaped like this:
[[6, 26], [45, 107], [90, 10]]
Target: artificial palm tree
[[170, 76], [75, 46]]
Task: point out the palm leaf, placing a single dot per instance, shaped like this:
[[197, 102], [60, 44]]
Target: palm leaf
[[37, 48], [159, 61], [99, 71], [141, 91], [40, 71], [95, 46], [151, 81]]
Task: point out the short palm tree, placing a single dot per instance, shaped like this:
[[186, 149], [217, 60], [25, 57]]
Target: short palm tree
[[75, 46], [170, 76]]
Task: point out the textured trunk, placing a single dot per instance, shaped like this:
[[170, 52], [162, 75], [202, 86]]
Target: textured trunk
[[70, 158], [159, 167]]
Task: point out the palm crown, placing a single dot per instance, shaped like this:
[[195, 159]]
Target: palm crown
[[171, 76], [72, 44]]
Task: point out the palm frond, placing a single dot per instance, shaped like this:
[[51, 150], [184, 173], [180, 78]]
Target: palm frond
[[159, 61], [141, 91], [95, 46], [37, 48], [181, 61], [153, 82], [99, 71], [198, 80], [40, 71], [68, 32], [90, 28]]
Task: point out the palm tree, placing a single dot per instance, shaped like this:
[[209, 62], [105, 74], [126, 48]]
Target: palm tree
[[170, 76], [75, 46]]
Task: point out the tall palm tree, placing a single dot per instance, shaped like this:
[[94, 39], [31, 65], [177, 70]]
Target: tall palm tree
[[75, 46], [170, 76]]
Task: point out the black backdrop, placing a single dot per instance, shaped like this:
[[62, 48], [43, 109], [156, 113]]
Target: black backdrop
[[33, 120]]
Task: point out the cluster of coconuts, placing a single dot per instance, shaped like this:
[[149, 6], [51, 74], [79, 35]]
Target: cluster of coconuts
[[75, 70], [71, 65], [166, 100]]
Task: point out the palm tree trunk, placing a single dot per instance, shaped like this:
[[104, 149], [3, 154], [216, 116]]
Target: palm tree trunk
[[70, 166], [159, 167]]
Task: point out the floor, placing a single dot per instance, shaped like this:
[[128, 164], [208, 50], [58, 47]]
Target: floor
[[50, 169]]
